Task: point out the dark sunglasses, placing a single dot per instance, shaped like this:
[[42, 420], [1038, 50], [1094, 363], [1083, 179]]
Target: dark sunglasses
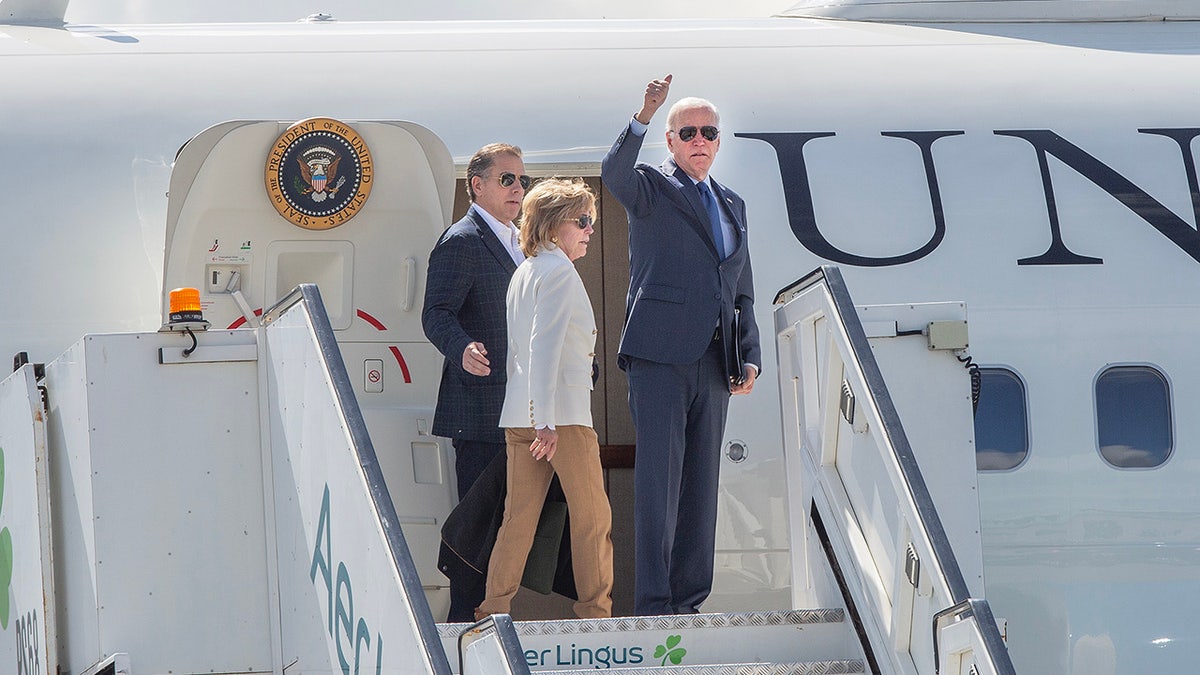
[[709, 133], [584, 222], [508, 178]]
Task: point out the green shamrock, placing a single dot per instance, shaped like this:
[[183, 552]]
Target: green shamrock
[[6, 555], [6, 569], [669, 651]]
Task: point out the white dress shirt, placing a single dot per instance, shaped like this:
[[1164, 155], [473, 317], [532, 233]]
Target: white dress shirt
[[505, 232]]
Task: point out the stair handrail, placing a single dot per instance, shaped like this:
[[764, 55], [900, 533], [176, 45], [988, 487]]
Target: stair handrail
[[309, 296], [981, 612], [497, 627]]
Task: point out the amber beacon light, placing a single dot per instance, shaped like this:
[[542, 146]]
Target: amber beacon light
[[185, 305], [185, 315]]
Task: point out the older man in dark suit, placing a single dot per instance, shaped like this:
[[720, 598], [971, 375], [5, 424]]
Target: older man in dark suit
[[690, 285], [464, 317]]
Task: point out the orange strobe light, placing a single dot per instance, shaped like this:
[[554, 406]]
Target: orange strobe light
[[185, 305]]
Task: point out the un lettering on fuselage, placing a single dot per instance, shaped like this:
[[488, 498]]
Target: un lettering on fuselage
[[794, 172]]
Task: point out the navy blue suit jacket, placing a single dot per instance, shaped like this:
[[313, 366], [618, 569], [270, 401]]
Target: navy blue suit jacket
[[465, 288], [678, 287]]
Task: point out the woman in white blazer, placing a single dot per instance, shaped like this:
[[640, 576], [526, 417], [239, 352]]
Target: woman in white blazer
[[547, 413]]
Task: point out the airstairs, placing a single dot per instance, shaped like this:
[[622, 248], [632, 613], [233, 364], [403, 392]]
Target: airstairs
[[218, 506]]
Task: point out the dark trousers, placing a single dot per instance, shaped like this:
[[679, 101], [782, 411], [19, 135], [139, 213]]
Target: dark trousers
[[679, 417], [470, 459]]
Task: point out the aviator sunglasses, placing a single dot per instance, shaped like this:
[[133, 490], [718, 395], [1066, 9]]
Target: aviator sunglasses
[[508, 178], [709, 133]]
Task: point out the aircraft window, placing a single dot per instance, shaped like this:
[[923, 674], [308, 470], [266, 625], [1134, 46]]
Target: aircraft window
[[1001, 427], [1133, 417]]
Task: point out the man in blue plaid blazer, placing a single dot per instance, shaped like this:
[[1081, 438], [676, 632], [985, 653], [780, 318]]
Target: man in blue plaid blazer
[[464, 317]]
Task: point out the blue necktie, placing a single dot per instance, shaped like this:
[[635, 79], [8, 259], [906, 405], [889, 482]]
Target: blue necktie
[[714, 217]]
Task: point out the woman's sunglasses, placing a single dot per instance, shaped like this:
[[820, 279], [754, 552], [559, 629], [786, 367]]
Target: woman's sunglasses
[[584, 222]]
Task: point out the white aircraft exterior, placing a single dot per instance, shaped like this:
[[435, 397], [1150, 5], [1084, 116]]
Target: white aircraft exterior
[[1042, 173]]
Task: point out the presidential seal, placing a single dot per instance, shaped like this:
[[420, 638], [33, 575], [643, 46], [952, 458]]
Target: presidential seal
[[319, 173]]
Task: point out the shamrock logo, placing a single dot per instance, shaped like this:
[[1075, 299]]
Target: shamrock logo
[[671, 651], [6, 555]]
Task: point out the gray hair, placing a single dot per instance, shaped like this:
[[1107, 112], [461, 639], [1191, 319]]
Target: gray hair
[[691, 103]]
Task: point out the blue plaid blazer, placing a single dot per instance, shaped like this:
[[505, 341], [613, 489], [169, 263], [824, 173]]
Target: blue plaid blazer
[[465, 287]]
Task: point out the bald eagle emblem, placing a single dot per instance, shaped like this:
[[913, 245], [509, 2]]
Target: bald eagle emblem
[[318, 168], [319, 173]]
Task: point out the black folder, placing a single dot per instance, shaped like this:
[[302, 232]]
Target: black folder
[[737, 365]]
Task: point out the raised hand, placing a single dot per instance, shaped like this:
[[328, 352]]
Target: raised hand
[[656, 95]]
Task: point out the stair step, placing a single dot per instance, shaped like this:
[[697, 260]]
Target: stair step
[[846, 667], [812, 638]]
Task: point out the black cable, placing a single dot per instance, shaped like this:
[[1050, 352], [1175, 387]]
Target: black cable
[[976, 380], [188, 352]]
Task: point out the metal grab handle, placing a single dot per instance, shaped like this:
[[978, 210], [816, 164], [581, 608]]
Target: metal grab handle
[[409, 269]]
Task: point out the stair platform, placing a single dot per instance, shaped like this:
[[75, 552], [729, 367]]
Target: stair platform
[[792, 641], [847, 667]]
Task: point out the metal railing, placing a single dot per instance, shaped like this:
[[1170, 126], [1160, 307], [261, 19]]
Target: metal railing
[[320, 350], [970, 613], [491, 647]]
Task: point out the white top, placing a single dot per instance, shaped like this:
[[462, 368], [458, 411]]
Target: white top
[[551, 344]]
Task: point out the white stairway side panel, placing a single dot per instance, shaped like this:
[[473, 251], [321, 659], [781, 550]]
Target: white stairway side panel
[[931, 392], [27, 635], [74, 540], [176, 492], [342, 602], [863, 471], [874, 498], [879, 491]]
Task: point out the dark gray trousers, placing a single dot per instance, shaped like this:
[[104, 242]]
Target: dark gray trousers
[[679, 417]]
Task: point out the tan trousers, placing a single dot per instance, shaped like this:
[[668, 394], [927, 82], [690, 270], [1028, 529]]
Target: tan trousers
[[577, 463]]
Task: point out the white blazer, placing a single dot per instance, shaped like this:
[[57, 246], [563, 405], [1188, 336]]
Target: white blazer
[[551, 344]]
